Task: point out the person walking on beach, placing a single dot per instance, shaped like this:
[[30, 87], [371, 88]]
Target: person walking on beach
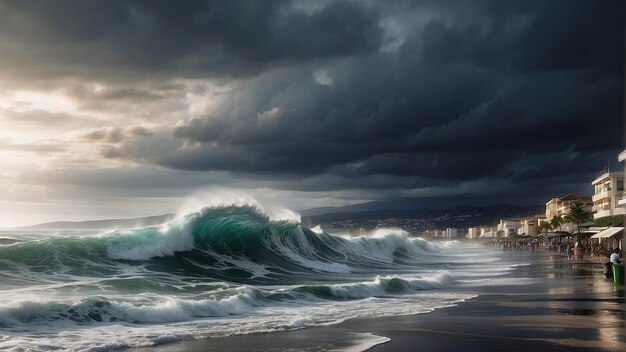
[[568, 250], [578, 251]]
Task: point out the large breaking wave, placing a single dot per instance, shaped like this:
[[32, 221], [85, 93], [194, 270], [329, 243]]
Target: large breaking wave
[[227, 243]]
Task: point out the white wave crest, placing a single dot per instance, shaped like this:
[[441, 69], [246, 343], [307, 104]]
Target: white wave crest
[[385, 285], [174, 309], [216, 197], [164, 311], [381, 245]]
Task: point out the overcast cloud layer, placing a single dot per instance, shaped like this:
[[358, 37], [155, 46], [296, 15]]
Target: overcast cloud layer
[[121, 108]]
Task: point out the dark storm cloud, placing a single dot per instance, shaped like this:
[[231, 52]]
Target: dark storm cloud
[[459, 100], [539, 114], [574, 35], [194, 38], [268, 158]]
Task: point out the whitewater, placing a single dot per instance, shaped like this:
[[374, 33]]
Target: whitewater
[[219, 271]]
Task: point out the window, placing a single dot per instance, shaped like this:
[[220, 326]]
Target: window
[[620, 185], [607, 186]]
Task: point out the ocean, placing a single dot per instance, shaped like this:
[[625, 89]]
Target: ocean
[[223, 270]]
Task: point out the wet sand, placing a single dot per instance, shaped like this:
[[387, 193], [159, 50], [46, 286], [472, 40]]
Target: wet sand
[[553, 305]]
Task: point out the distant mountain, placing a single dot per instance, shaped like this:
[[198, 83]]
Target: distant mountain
[[396, 204], [101, 224]]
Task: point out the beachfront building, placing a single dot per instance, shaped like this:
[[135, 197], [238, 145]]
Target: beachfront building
[[452, 233], [621, 202], [488, 232], [473, 232], [609, 189], [528, 225], [559, 206], [509, 227]]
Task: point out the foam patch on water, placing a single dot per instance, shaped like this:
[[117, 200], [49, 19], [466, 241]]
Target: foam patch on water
[[363, 342]]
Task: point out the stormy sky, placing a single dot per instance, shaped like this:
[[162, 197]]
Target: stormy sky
[[124, 108]]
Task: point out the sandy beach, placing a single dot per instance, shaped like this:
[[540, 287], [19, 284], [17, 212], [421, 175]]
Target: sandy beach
[[546, 303]]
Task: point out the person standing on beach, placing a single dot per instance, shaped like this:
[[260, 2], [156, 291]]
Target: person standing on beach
[[615, 257], [568, 249]]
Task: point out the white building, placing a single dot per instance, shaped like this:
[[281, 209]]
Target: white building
[[509, 226], [488, 232], [473, 232], [528, 225], [609, 189], [622, 157], [452, 233], [559, 206]]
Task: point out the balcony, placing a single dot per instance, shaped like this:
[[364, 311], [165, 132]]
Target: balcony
[[622, 155], [562, 210], [621, 202], [602, 213], [601, 178], [602, 195], [609, 212], [601, 207]]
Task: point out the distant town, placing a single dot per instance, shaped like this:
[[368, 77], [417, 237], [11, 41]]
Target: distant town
[[601, 218]]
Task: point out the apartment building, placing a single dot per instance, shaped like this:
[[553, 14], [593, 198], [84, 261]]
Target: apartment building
[[609, 190], [528, 225], [558, 206], [509, 226], [452, 233], [473, 232], [622, 157]]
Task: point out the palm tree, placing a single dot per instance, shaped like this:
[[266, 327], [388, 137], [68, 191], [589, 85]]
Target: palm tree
[[578, 215], [556, 222], [543, 227]]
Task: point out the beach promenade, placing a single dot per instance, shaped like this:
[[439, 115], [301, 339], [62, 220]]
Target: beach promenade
[[547, 303]]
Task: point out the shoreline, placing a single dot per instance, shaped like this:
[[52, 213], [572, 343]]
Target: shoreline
[[554, 303]]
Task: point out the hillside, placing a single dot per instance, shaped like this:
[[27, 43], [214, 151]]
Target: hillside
[[101, 224], [422, 219]]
